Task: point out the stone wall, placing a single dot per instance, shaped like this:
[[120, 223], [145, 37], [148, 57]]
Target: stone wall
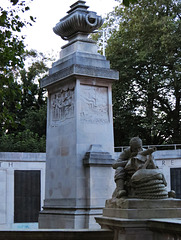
[[166, 160], [9, 163]]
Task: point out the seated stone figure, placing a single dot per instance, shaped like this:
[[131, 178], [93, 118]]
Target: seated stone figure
[[130, 176]]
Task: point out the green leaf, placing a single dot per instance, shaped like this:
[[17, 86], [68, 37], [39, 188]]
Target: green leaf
[[126, 3], [14, 2], [32, 19]]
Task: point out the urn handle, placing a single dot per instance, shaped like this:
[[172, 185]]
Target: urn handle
[[91, 19]]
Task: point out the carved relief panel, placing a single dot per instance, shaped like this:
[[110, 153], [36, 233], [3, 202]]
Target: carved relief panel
[[94, 104], [62, 105]]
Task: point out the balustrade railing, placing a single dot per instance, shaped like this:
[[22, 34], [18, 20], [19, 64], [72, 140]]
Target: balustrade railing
[[158, 147]]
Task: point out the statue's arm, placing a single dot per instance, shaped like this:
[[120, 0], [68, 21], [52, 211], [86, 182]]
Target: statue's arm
[[122, 160], [119, 164], [148, 151]]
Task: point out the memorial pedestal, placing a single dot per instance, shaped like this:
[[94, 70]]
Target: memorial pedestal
[[79, 116], [129, 218]]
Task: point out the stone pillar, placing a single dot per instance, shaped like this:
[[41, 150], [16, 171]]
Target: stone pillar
[[79, 115]]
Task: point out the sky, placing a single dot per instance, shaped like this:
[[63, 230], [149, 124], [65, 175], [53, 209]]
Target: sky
[[48, 13]]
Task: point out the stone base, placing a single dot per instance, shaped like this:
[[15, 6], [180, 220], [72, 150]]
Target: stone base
[[68, 219], [139, 229], [130, 218], [126, 229], [142, 208]]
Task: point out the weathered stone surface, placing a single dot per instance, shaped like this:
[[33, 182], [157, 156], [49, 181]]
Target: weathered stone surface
[[142, 209], [79, 71], [127, 229], [80, 58], [97, 156], [125, 203], [57, 217], [142, 213], [141, 229], [77, 45], [165, 228]]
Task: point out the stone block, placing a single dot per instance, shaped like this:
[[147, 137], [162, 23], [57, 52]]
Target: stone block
[[142, 219], [134, 203], [142, 213], [143, 208], [127, 229], [80, 58]]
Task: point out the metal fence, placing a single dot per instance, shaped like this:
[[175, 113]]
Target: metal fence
[[158, 147]]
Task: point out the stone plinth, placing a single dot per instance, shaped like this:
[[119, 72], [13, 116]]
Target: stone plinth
[[131, 218], [79, 116], [143, 208], [127, 229], [165, 228]]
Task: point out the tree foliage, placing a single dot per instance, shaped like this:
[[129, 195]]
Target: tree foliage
[[22, 102], [128, 2], [30, 117], [25, 141], [146, 50], [12, 59]]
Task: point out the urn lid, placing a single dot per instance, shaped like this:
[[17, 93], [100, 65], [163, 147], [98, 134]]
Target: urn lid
[[78, 20], [79, 4]]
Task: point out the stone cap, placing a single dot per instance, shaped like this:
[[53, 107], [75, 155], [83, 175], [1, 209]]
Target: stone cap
[[76, 70]]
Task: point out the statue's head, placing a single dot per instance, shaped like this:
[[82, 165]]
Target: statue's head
[[135, 144]]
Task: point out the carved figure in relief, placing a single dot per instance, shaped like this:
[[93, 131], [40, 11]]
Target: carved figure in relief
[[55, 107], [94, 104], [62, 105], [137, 175]]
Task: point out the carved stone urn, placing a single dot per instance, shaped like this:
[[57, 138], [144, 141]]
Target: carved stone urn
[[78, 21]]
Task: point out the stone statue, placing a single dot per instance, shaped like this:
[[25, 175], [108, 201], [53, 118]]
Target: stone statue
[[137, 175]]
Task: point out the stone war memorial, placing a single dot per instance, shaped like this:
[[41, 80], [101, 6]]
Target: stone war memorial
[[80, 142], [80, 170]]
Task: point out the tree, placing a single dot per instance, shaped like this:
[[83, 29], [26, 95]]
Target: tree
[[146, 51], [32, 98], [35, 120], [12, 56], [29, 132], [20, 95]]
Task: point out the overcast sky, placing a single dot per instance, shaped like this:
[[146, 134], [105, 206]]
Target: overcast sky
[[41, 36]]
